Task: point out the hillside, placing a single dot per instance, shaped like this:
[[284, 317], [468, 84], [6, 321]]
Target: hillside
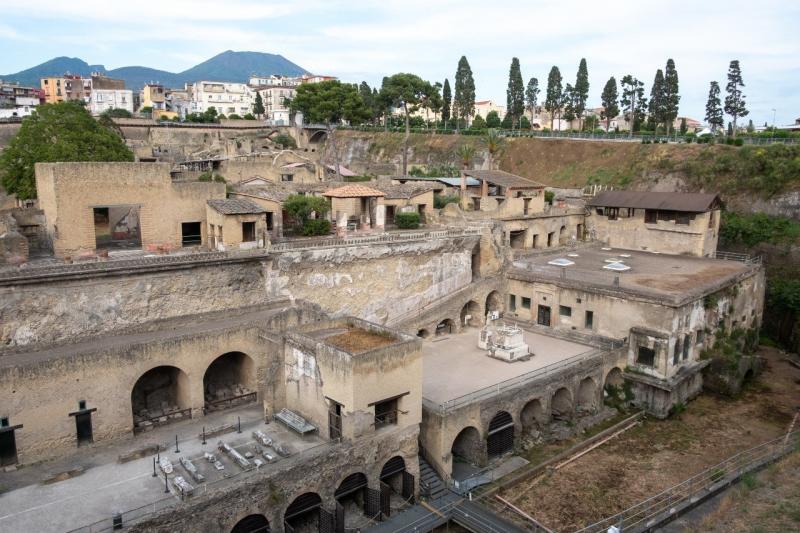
[[750, 178], [227, 66]]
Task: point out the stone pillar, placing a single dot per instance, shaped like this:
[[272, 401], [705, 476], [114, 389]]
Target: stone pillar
[[341, 225], [380, 216]]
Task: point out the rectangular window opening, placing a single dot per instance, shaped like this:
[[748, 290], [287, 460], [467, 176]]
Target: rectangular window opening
[[589, 319], [248, 231], [190, 234], [386, 413], [526, 302], [646, 356], [512, 302], [564, 310]]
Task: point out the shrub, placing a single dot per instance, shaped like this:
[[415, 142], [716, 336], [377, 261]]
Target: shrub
[[300, 207], [249, 116], [234, 116], [440, 201], [316, 227], [549, 196], [285, 141], [407, 220], [356, 178], [738, 142]]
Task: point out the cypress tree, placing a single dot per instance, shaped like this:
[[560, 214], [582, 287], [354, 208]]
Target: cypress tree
[[734, 101], [515, 94], [554, 95], [447, 101], [568, 100], [464, 98], [581, 91], [671, 96], [713, 109], [258, 105], [657, 101], [532, 95], [609, 100], [633, 101]]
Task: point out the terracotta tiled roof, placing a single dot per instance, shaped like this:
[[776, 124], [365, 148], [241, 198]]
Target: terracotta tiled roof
[[352, 190], [235, 206]]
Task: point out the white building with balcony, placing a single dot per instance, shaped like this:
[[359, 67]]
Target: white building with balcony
[[105, 99], [226, 97]]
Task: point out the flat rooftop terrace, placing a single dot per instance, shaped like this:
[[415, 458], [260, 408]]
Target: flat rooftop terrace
[[650, 274], [453, 365]]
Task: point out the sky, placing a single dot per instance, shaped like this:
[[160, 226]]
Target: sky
[[360, 40]]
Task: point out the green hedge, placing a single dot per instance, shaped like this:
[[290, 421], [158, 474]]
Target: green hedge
[[316, 227], [407, 220]]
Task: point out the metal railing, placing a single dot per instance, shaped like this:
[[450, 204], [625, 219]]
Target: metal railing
[[649, 513], [227, 403], [374, 239], [736, 256], [515, 382]]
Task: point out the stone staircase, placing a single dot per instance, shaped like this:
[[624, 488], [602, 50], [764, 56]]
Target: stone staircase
[[430, 481]]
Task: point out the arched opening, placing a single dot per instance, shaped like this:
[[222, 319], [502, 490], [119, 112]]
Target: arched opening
[[318, 136], [467, 448], [254, 523], [392, 473], [516, 239], [500, 436], [561, 404], [613, 391], [303, 514], [532, 416], [494, 302], [562, 235], [587, 396], [397, 485], [445, 327], [160, 396], [423, 334], [229, 381], [352, 496], [614, 378], [470, 314]]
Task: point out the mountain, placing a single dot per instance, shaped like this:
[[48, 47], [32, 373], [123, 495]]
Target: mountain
[[227, 66]]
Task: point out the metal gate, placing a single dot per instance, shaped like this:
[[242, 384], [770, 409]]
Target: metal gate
[[409, 484], [386, 498], [339, 521], [327, 521], [501, 434], [372, 503]]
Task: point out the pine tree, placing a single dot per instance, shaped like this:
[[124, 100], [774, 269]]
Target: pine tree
[[684, 127], [671, 96], [581, 91], [365, 92], [515, 94], [532, 95], [464, 97], [447, 101], [609, 101], [734, 101], [750, 127], [568, 100], [657, 101], [258, 106], [554, 95], [714, 116]]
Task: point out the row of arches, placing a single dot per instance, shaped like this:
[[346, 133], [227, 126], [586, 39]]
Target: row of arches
[[164, 394], [500, 435], [353, 499], [471, 314]]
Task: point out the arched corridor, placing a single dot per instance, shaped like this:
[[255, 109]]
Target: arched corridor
[[500, 436], [445, 327], [468, 447], [423, 334], [303, 514], [494, 302], [351, 495], [229, 381], [254, 523], [161, 395], [532, 416], [470, 314], [561, 404]]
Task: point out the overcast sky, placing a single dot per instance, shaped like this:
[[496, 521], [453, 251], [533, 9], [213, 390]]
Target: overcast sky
[[365, 40]]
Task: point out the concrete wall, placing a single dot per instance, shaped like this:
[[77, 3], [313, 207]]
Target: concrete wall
[[699, 237]]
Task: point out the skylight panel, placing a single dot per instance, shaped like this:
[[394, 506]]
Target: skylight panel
[[617, 267], [561, 262]]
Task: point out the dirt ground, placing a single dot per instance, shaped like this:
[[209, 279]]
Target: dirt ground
[[357, 340], [660, 453]]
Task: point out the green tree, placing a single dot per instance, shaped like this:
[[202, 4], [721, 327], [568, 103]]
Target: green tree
[[493, 120], [750, 127], [465, 153], [507, 122], [609, 101], [330, 102], [117, 113], [464, 97], [569, 100], [524, 123], [478, 123], [366, 94], [258, 106], [632, 96], [494, 143], [684, 128], [734, 100], [532, 95], [447, 101], [55, 133], [301, 207], [409, 92], [671, 97], [656, 108], [554, 95], [581, 91], [714, 115], [515, 94]]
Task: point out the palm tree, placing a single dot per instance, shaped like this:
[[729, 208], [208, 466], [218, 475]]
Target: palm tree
[[494, 143], [466, 152]]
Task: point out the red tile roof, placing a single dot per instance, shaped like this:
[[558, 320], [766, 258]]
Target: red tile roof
[[352, 190]]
